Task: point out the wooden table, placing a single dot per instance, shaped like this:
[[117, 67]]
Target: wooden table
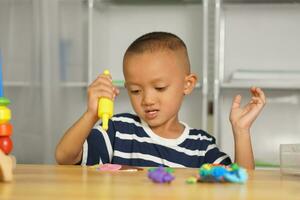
[[76, 182]]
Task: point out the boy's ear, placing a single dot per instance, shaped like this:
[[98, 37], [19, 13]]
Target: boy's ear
[[189, 83]]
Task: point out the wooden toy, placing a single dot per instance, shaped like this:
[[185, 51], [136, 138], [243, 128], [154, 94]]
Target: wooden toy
[[7, 164]]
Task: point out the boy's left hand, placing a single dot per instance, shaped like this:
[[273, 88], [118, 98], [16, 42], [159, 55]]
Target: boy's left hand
[[241, 118]]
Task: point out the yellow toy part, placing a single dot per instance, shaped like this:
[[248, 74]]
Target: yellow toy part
[[105, 108], [5, 114]]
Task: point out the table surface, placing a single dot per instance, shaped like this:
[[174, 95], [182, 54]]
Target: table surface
[[76, 182]]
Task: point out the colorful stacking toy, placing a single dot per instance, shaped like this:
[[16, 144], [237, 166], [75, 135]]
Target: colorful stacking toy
[[7, 162], [6, 144]]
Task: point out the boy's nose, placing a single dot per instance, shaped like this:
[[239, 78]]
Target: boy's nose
[[148, 99]]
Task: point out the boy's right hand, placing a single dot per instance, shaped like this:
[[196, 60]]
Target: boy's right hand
[[101, 87], [242, 118]]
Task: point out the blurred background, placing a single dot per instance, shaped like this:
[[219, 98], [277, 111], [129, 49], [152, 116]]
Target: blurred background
[[53, 49]]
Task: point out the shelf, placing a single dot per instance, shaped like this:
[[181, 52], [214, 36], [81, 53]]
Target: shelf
[[74, 84], [118, 83], [271, 74], [260, 1], [16, 84], [73, 1], [272, 79], [265, 85], [149, 2], [266, 75]]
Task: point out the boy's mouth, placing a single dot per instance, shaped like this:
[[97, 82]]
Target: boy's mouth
[[151, 114]]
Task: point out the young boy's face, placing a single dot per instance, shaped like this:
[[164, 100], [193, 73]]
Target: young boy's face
[[156, 84]]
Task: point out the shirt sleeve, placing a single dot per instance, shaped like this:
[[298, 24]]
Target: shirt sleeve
[[215, 156], [98, 147]]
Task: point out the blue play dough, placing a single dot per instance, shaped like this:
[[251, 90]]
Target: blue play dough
[[221, 173]]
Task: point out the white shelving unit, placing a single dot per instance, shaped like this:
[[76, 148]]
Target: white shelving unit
[[257, 43]]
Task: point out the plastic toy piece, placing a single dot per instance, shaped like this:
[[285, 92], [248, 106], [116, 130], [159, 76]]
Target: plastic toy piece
[[116, 167], [4, 101], [222, 173], [239, 176], [6, 145], [191, 180], [105, 108], [160, 175], [110, 167], [6, 129], [5, 114]]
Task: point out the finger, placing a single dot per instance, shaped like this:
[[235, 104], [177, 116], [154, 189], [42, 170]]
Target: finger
[[97, 89], [256, 100], [236, 102], [104, 92], [253, 91], [93, 82], [261, 95], [101, 80], [258, 92], [105, 77], [103, 84], [115, 92]]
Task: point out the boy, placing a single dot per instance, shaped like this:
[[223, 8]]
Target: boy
[[157, 77]]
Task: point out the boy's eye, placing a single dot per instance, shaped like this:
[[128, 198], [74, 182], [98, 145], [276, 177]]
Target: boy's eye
[[160, 88], [134, 91]]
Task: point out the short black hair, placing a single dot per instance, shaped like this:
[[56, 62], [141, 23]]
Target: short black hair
[[157, 41]]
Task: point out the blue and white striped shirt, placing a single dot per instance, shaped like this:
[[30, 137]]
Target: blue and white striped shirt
[[130, 141]]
